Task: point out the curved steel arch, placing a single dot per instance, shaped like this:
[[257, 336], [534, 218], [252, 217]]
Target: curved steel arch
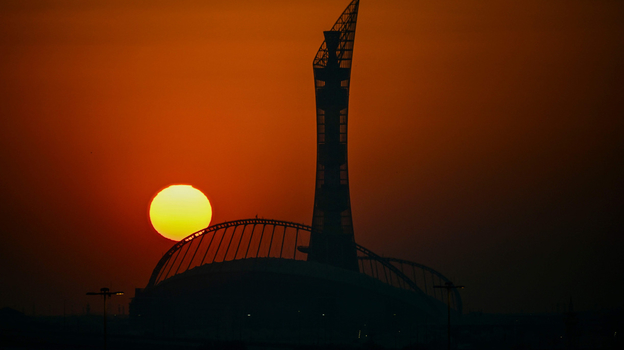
[[456, 295], [161, 263], [385, 262], [369, 255]]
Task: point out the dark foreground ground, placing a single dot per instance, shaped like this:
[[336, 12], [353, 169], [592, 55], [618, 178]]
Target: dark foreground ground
[[568, 330]]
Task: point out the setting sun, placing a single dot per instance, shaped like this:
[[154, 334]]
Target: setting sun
[[179, 210]]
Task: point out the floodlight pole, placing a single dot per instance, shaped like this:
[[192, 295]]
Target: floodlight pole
[[448, 286], [104, 292]]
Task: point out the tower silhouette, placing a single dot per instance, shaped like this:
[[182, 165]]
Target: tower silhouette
[[332, 240]]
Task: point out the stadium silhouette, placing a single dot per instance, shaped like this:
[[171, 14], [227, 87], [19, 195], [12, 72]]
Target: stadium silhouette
[[275, 281]]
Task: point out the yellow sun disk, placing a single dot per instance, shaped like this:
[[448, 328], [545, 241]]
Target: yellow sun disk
[[179, 210]]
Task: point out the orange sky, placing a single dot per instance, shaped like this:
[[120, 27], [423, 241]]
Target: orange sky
[[485, 137]]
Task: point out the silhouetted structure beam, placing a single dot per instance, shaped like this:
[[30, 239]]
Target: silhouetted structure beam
[[105, 293], [448, 286], [332, 240]]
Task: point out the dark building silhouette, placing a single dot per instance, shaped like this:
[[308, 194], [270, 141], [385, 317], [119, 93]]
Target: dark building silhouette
[[278, 281], [332, 240]]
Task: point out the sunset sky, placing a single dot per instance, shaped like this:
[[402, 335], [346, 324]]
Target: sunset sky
[[485, 138]]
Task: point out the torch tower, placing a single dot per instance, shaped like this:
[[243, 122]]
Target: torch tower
[[332, 240]]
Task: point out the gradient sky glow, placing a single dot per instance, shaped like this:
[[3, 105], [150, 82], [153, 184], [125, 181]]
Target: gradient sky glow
[[485, 138]]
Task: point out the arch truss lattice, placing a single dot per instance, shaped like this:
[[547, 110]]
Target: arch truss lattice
[[266, 238]]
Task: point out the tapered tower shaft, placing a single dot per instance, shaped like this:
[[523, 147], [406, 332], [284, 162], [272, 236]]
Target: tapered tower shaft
[[332, 240]]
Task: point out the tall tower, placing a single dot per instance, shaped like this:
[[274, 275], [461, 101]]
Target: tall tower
[[332, 239]]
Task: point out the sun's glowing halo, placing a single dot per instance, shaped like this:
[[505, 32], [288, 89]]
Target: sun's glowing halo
[[179, 210]]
